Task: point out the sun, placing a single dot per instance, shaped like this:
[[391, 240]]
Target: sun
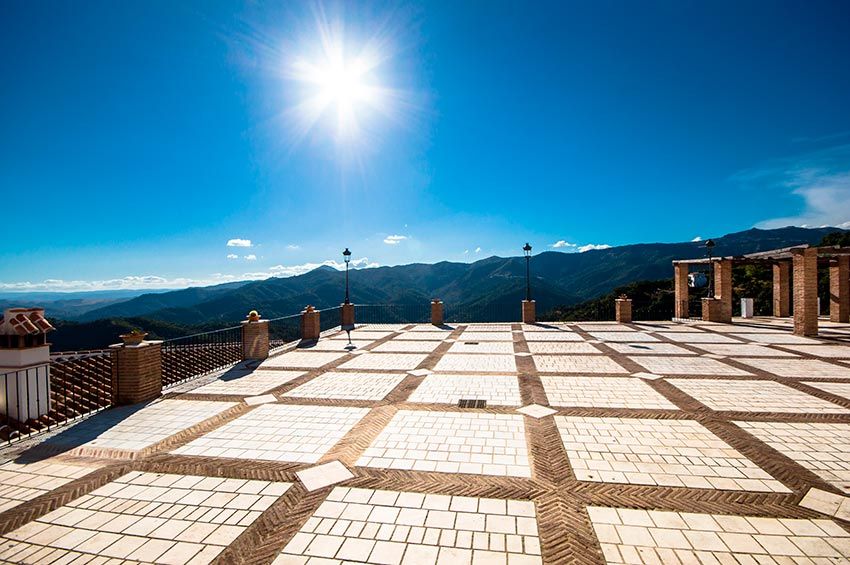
[[340, 82]]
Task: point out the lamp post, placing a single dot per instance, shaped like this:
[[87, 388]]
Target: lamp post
[[347, 256], [709, 245], [527, 249]]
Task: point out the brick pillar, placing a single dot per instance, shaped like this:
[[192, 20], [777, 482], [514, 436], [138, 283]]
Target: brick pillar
[[805, 263], [782, 289], [623, 309], [712, 310], [136, 372], [437, 312], [310, 326], [347, 315], [528, 312], [839, 289], [680, 283], [723, 288], [255, 339]]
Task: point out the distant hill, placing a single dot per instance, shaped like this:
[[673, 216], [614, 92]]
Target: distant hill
[[69, 305], [559, 279]]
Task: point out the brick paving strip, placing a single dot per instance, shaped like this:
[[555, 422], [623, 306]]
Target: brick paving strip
[[383, 512]]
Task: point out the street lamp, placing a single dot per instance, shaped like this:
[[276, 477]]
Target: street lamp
[[527, 249], [709, 245], [347, 256]]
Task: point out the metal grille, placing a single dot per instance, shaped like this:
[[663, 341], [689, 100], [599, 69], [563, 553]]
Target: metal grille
[[80, 384], [192, 356]]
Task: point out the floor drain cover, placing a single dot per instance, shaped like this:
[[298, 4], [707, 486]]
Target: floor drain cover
[[471, 403]]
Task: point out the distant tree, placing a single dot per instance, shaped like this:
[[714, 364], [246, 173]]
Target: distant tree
[[840, 238]]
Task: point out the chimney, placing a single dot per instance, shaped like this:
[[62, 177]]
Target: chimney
[[24, 363]]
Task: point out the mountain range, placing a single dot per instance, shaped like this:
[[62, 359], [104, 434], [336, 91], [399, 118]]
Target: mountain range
[[557, 279]]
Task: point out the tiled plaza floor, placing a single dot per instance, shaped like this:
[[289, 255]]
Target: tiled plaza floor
[[655, 442]]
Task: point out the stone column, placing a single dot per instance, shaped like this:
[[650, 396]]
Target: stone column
[[680, 284], [712, 310], [310, 324], [528, 312], [136, 372], [623, 310], [437, 312], [347, 315], [839, 289], [782, 289], [723, 288], [805, 264], [255, 339]]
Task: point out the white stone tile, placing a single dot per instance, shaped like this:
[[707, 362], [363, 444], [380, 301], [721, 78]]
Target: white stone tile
[[133, 428], [838, 389], [395, 528], [603, 392], [624, 337], [650, 349], [468, 335], [552, 336], [822, 448], [130, 518], [20, 482], [799, 368], [826, 351], [364, 334], [250, 384], [606, 327], [324, 475], [407, 346], [465, 346], [385, 361], [686, 366], [278, 432], [678, 453], [778, 338], [502, 390], [753, 396], [452, 442], [476, 363], [702, 337], [350, 386], [577, 364], [257, 400], [567, 347], [674, 537], [302, 359], [742, 350], [536, 411], [338, 345]]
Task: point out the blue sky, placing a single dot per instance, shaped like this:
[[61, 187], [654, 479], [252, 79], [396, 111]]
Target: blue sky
[[139, 138]]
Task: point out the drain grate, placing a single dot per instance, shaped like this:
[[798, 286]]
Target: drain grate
[[470, 343], [472, 403]]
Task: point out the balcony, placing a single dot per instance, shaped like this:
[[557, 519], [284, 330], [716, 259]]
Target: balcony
[[504, 442]]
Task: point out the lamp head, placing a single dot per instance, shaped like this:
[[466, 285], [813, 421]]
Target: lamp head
[[527, 249], [346, 255]]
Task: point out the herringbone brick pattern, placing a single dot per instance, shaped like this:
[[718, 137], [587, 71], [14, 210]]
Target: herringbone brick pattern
[[732, 417]]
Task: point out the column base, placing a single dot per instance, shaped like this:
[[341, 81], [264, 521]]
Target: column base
[[528, 312]]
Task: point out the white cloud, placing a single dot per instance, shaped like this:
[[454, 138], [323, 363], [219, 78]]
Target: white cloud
[[251, 257], [394, 239], [293, 247], [466, 251], [574, 247], [478, 250], [232, 256], [697, 238], [819, 181], [593, 246], [239, 243], [153, 282]]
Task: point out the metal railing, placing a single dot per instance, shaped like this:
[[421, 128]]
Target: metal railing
[[484, 313], [330, 318], [37, 399], [418, 313], [192, 356], [284, 330]]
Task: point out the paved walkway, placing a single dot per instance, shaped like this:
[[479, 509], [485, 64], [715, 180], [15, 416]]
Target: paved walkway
[[480, 443]]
